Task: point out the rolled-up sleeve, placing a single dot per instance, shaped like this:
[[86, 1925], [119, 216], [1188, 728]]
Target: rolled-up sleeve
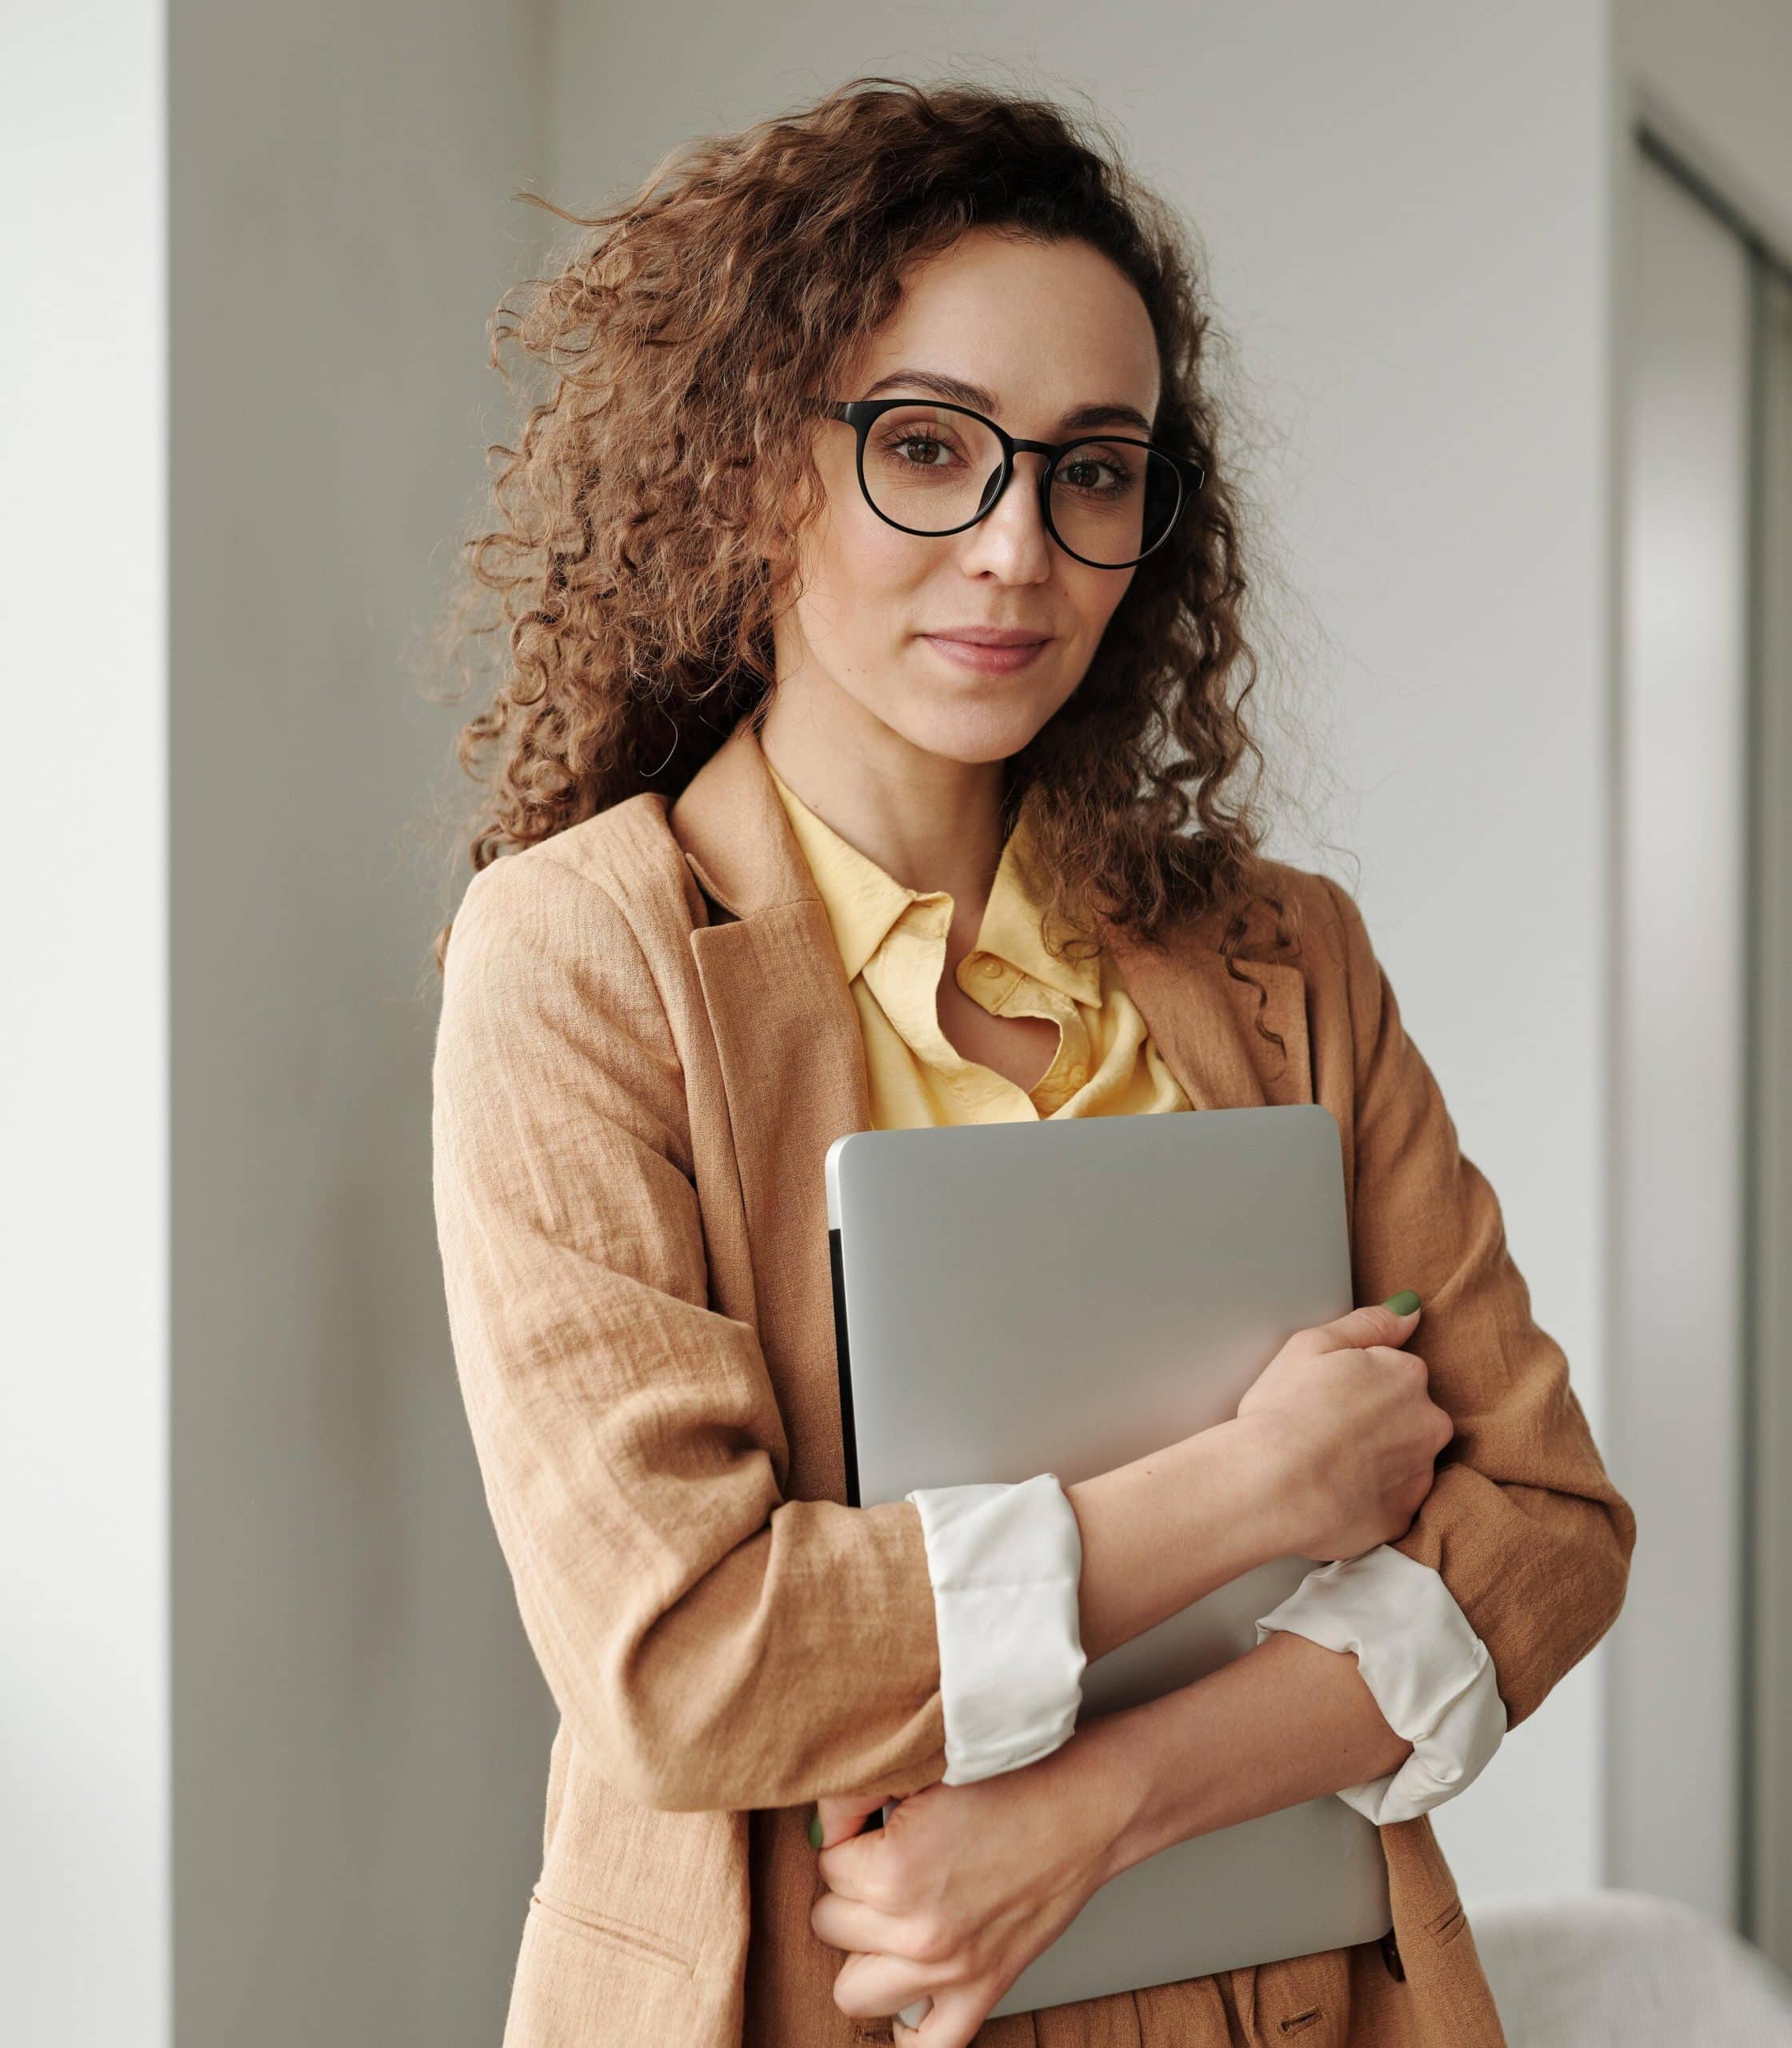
[[713, 1644], [1516, 1562], [1425, 1668], [1007, 1565]]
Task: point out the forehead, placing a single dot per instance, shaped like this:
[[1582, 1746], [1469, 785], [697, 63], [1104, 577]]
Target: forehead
[[1047, 329]]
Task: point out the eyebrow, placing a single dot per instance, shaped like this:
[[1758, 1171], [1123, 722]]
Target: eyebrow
[[956, 391]]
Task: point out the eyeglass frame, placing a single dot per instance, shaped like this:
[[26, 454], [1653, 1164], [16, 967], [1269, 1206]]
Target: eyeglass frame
[[863, 415]]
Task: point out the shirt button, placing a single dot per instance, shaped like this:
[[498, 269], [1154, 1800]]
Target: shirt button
[[1076, 1073], [988, 968]]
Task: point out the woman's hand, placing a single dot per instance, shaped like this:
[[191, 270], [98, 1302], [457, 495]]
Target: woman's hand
[[1354, 1430], [962, 1888]]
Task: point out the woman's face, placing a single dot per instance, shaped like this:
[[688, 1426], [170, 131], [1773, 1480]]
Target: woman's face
[[1028, 333]]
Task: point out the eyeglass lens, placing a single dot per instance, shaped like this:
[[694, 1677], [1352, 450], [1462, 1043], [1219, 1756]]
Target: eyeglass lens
[[933, 471]]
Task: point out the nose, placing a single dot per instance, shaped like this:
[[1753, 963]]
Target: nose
[[1011, 541]]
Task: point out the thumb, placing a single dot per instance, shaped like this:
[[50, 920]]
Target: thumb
[[1391, 1322], [839, 1818]]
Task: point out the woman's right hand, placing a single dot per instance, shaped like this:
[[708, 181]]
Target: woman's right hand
[[1352, 1432]]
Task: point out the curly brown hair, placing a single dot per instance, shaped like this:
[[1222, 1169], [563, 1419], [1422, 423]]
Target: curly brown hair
[[671, 457]]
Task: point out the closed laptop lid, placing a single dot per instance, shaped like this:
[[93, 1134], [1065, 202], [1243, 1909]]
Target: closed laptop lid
[[1064, 1296]]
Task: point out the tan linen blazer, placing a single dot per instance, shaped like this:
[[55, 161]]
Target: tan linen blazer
[[646, 1044]]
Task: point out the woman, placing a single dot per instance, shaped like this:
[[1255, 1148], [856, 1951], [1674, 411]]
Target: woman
[[846, 762]]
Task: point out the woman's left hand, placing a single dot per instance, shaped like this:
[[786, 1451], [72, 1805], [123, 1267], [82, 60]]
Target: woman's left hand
[[962, 1888]]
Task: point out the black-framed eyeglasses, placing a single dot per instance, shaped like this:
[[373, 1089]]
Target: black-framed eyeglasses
[[928, 467]]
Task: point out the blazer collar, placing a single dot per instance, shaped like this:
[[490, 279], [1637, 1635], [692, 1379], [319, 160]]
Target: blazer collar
[[736, 837]]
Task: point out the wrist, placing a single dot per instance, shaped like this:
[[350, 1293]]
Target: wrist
[[1275, 1485], [1103, 1783]]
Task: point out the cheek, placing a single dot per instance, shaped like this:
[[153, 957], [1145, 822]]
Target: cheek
[[1096, 595], [863, 576], [870, 558]]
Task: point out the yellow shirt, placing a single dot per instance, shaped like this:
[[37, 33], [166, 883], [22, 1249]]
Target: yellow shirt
[[892, 944]]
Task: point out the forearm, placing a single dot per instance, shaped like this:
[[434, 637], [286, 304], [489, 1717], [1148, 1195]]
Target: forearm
[[1172, 1526], [1289, 1721]]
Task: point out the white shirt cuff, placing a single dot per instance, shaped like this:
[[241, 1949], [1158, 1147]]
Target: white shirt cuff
[[1429, 1671], [1006, 1563]]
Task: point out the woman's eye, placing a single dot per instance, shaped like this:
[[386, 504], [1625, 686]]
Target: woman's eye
[[925, 449], [1088, 474]]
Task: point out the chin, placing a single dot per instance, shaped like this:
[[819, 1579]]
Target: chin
[[989, 724]]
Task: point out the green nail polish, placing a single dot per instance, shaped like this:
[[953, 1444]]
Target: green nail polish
[[1403, 1303], [815, 1829]]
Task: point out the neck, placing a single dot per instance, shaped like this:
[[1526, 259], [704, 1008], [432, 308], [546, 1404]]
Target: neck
[[928, 820]]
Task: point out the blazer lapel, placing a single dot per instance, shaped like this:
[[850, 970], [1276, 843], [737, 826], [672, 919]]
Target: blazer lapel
[[1205, 1023], [793, 1071]]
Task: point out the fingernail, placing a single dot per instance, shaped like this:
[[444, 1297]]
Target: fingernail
[[1403, 1303], [815, 1829]]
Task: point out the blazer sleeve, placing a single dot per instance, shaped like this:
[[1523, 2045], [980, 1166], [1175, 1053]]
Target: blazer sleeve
[[712, 1644], [1523, 1524]]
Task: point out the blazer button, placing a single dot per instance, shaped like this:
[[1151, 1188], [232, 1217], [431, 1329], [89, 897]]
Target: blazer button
[[1390, 1955]]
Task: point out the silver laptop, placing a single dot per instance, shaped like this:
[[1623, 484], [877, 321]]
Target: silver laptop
[[1064, 1296]]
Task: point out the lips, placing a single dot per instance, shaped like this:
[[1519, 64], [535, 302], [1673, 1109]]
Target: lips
[[994, 650], [991, 636]]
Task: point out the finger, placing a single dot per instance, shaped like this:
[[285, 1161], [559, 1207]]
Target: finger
[[845, 1816], [1374, 1323], [904, 2025], [951, 2021], [849, 1923], [1398, 1360], [873, 1985], [850, 1867]]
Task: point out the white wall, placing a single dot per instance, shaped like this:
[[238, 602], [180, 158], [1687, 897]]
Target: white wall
[[360, 1740], [1406, 210], [84, 1880], [1680, 1294], [1713, 85]]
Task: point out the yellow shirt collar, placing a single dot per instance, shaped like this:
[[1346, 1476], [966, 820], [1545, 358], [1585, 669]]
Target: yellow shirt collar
[[863, 901]]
